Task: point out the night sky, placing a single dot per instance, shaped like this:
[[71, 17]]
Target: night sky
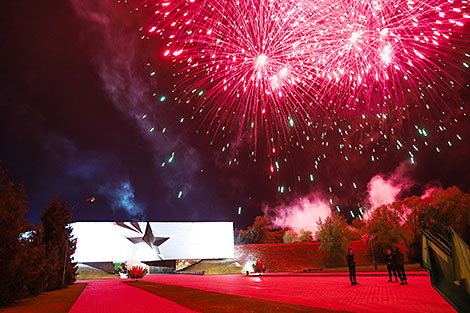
[[89, 107]]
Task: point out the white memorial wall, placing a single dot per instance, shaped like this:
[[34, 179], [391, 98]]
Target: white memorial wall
[[152, 241]]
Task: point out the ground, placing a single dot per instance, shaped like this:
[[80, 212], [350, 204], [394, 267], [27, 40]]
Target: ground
[[325, 292], [374, 294]]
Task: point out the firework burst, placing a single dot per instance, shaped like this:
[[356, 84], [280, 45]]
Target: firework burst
[[268, 65]]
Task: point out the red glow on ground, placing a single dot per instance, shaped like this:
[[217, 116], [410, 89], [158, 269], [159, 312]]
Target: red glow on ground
[[373, 294]]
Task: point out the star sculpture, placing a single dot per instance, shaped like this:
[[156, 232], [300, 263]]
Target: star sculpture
[[148, 237]]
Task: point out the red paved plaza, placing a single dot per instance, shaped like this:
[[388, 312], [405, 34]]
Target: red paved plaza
[[112, 295], [374, 294]]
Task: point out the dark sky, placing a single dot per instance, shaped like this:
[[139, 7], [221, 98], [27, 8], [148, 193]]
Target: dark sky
[[77, 82]]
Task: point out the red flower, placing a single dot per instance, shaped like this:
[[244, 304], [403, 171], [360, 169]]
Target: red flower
[[137, 272]]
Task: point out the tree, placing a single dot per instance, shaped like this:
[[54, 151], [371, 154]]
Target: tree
[[383, 227], [402, 221], [445, 209], [305, 236], [32, 258], [275, 236], [410, 212], [59, 245], [291, 236], [239, 236], [13, 207], [360, 226], [335, 235], [33, 261], [260, 232], [398, 222]]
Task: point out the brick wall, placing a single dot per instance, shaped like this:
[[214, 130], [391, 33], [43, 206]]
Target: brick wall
[[297, 256]]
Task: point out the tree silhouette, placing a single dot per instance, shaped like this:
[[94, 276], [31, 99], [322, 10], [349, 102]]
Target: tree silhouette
[[59, 244], [13, 207]]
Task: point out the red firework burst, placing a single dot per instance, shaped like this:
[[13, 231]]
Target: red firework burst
[[270, 64]]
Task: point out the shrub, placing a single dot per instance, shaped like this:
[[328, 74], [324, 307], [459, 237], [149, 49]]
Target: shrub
[[117, 267], [259, 267], [137, 272]]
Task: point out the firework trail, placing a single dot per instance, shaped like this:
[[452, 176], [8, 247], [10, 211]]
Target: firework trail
[[269, 65], [247, 61]]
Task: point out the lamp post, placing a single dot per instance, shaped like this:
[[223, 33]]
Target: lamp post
[[90, 199], [371, 241]]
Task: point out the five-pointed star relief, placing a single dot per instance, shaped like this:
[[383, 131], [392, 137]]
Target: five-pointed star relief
[[149, 238]]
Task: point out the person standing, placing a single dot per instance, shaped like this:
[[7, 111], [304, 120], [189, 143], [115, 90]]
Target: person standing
[[390, 265], [400, 266], [352, 267]]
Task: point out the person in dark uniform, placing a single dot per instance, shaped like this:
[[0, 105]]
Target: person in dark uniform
[[352, 266], [399, 265], [123, 268], [390, 266]]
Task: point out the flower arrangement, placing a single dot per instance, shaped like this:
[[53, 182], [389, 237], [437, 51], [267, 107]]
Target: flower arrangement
[[136, 272]]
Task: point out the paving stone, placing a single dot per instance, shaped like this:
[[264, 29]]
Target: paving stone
[[373, 294], [112, 295]]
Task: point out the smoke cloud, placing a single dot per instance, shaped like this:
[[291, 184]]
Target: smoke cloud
[[384, 189], [118, 59], [103, 169], [123, 198], [300, 215], [429, 191]]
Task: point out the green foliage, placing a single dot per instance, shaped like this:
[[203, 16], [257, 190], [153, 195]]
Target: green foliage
[[260, 232], [335, 235], [33, 262], [239, 236], [59, 245], [275, 236], [445, 209], [305, 236], [13, 207], [32, 258], [291, 236], [360, 225], [384, 230], [401, 222], [410, 208], [117, 267]]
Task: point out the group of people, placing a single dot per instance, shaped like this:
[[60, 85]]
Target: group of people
[[395, 265], [394, 261]]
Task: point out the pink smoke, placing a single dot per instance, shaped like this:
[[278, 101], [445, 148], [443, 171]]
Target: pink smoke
[[385, 189], [428, 192], [302, 214]]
